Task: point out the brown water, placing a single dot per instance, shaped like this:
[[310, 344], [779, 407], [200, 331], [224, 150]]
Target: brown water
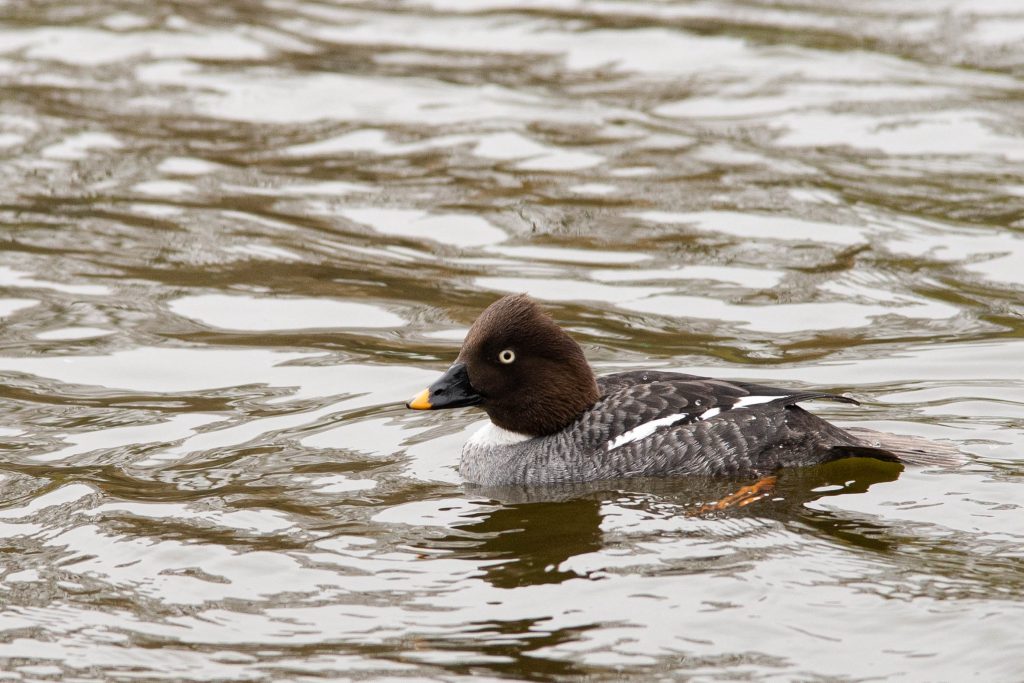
[[237, 235]]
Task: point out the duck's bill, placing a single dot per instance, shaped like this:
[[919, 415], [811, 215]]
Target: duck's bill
[[452, 390]]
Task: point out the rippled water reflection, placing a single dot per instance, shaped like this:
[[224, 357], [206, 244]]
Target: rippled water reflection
[[236, 236]]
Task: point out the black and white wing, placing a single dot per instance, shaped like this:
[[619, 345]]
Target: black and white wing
[[657, 406]]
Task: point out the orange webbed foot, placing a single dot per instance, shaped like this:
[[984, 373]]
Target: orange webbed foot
[[743, 497]]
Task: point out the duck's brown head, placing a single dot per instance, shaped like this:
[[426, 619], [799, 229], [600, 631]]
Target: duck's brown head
[[517, 364]]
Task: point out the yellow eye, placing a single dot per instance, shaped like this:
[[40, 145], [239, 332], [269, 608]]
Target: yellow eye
[[507, 356]]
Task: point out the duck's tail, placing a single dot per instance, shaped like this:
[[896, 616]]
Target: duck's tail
[[913, 450]]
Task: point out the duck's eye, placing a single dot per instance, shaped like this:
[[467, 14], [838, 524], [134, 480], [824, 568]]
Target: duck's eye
[[507, 356]]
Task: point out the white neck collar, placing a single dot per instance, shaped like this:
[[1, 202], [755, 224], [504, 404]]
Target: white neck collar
[[491, 435]]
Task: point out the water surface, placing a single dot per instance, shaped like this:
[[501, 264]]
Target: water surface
[[237, 235]]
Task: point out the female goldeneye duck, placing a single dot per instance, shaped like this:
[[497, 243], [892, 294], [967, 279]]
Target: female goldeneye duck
[[553, 422]]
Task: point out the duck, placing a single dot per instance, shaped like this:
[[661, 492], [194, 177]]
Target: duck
[[552, 421]]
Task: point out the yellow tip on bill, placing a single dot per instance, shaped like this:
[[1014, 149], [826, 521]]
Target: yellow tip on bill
[[420, 402]]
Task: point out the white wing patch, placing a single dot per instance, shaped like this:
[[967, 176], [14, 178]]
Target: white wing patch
[[754, 400], [491, 435], [645, 430], [742, 403], [648, 428], [708, 414]]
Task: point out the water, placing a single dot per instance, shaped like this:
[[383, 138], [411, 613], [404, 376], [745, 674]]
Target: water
[[237, 235]]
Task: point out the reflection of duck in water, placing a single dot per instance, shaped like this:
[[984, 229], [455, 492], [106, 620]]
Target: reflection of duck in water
[[536, 529], [552, 422]]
